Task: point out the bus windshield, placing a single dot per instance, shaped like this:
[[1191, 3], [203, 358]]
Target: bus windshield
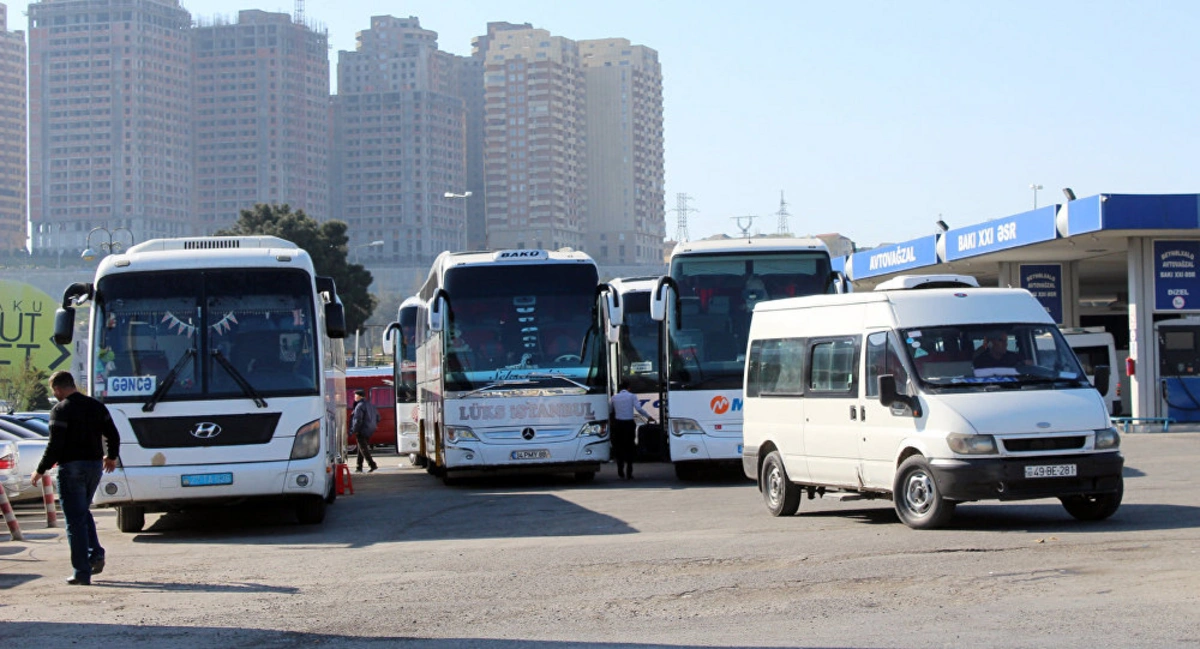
[[222, 334], [406, 356], [717, 294], [639, 344], [522, 326]]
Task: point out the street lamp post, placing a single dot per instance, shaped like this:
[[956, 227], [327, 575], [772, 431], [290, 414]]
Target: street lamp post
[[112, 245], [374, 244], [1035, 187]]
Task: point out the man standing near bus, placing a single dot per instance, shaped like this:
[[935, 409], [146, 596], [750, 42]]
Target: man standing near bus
[[362, 426], [77, 425], [624, 403]]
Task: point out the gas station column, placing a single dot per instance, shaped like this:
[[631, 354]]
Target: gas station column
[[1141, 328]]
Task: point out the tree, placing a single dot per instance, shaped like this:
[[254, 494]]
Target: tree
[[24, 388], [325, 242]]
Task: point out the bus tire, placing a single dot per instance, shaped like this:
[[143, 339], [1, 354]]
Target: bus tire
[[311, 510], [585, 476], [685, 471], [331, 493], [780, 494], [415, 459], [131, 519]]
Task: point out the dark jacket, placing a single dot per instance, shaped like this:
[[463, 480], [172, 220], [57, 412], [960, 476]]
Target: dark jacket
[[364, 420], [77, 426]]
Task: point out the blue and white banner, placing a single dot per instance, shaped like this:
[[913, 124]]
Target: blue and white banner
[[1002, 234], [1176, 287], [1045, 282], [894, 258]]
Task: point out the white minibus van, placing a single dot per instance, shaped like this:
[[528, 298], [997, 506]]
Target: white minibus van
[[930, 397]]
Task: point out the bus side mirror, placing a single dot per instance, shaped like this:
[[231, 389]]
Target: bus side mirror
[[64, 325], [891, 398], [837, 282], [387, 333], [1103, 375], [658, 299], [335, 320], [615, 315], [437, 311]]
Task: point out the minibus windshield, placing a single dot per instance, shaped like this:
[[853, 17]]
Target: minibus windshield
[[992, 356]]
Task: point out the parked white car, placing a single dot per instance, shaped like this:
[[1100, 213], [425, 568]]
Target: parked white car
[[10, 474], [29, 454]]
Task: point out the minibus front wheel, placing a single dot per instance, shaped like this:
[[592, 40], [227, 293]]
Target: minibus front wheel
[[919, 503], [780, 494]]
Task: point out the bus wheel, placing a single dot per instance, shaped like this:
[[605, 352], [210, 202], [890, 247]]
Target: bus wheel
[[416, 460], [685, 471], [131, 520], [585, 476], [450, 480], [1093, 507], [919, 503], [332, 494], [779, 493], [311, 510]]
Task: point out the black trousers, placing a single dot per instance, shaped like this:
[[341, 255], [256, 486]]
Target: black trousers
[[623, 448], [364, 451]]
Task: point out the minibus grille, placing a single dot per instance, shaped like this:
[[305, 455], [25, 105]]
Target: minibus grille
[[1029, 445]]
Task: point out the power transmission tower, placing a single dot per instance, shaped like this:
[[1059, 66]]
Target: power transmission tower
[[744, 228], [783, 215], [299, 17], [681, 212]]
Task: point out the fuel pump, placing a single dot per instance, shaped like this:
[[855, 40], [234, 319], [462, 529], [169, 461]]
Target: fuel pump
[[1179, 368]]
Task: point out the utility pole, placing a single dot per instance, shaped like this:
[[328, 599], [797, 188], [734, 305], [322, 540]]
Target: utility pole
[[681, 212], [783, 215], [749, 218]]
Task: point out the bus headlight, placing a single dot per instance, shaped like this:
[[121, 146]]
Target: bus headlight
[[964, 444], [308, 441], [594, 429], [460, 433], [1108, 438], [685, 427]]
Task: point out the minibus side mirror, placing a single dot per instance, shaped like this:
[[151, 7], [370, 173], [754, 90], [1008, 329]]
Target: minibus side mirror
[[1103, 375], [891, 398]]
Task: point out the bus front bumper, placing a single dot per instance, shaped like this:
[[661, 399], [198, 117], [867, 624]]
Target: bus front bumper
[[170, 487]]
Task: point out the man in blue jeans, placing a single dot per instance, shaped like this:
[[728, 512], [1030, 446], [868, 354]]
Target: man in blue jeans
[[78, 424]]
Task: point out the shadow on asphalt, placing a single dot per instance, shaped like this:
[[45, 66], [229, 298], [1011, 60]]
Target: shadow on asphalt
[[148, 637], [1032, 516]]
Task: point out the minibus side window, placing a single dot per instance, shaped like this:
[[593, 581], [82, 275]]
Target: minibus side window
[[882, 358], [776, 368], [833, 367]]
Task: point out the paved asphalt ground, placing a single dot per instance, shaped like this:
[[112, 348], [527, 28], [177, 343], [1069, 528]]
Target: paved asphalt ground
[[546, 563]]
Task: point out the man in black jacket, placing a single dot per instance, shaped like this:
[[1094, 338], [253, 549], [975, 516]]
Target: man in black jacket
[[362, 426], [79, 428]]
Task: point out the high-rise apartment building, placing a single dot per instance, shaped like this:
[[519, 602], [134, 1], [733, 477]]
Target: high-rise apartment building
[[110, 115], [400, 134], [261, 124], [13, 168], [535, 138], [626, 215]]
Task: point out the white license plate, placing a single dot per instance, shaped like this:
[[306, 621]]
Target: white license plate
[[207, 479], [539, 454], [1050, 471]]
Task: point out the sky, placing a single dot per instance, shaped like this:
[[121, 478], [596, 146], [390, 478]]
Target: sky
[[874, 119]]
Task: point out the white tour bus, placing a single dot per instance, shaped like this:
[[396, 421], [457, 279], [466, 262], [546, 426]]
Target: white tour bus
[[634, 340], [401, 336], [221, 362], [930, 397], [706, 302], [511, 364]]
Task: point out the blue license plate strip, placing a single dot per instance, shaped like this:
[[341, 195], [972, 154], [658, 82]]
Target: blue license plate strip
[[207, 479]]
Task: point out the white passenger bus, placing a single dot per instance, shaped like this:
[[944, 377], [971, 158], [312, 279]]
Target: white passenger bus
[[634, 341], [221, 362], [401, 336], [511, 364], [706, 300]]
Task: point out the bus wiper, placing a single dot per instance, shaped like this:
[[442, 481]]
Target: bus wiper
[[239, 379], [168, 380], [504, 383], [557, 375]]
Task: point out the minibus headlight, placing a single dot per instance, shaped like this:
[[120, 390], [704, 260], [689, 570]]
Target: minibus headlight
[[1107, 438], [594, 429], [685, 427], [308, 441], [460, 433], [971, 444]]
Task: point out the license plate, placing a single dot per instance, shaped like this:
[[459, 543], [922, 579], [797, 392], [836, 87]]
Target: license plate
[[539, 454], [1050, 471], [207, 479], [739, 449]]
